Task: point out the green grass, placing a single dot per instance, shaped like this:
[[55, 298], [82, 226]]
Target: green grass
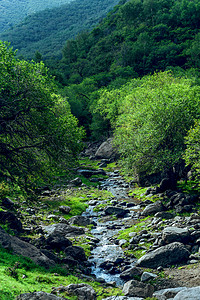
[[77, 199], [20, 275], [110, 167], [124, 234], [137, 192]]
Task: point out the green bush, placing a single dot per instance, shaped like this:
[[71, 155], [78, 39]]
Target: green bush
[[192, 153], [151, 117]]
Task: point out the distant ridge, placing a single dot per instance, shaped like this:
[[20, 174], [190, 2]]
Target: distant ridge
[[14, 11], [48, 30]]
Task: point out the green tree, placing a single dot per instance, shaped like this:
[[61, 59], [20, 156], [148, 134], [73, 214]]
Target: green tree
[[150, 118], [37, 128], [154, 120], [192, 153]]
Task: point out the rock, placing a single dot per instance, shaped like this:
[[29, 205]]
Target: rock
[[25, 249], [131, 273], [135, 288], [167, 184], [12, 220], [89, 173], [76, 252], [165, 215], [106, 265], [164, 256], [147, 276], [189, 294], [167, 293], [118, 211], [122, 298], [64, 209], [175, 234], [122, 242], [38, 296], [63, 229], [58, 242], [82, 291], [77, 181], [106, 150], [80, 221], [7, 202], [153, 208], [51, 256]]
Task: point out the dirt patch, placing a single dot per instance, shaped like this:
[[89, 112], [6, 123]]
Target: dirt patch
[[188, 275]]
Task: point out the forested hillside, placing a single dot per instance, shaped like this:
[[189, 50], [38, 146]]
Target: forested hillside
[[138, 38], [12, 12], [48, 30]]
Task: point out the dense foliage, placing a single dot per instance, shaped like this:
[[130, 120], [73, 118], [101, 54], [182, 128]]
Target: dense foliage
[[136, 38], [48, 30], [37, 129], [14, 11], [151, 117], [104, 74], [192, 154]]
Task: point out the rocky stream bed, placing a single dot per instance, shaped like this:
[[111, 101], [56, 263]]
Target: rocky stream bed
[[168, 243]]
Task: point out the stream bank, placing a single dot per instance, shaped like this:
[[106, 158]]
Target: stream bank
[[148, 229], [171, 235]]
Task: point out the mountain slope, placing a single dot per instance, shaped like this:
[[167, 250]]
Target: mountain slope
[[48, 30], [14, 11], [137, 38]]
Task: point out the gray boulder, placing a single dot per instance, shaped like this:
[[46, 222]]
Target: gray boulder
[[58, 242], [131, 273], [135, 288], [164, 256], [10, 219], [122, 298], [25, 249], [76, 252], [106, 150], [64, 209], [82, 291], [189, 294], [38, 296], [167, 293], [153, 208], [89, 173], [76, 181], [63, 229], [167, 184], [165, 215], [80, 221], [175, 234], [147, 276], [118, 211]]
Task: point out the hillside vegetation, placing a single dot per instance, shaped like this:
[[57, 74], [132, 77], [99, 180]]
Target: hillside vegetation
[[37, 130], [150, 115], [12, 12], [134, 78], [135, 39], [48, 30]]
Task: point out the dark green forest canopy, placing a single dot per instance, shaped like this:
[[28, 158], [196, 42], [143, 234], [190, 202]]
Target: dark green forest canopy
[[14, 11], [37, 129], [48, 30], [137, 38]]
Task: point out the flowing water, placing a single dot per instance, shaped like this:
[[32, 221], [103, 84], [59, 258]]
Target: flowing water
[[106, 250]]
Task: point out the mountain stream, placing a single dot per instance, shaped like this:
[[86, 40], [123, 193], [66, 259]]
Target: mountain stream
[[107, 250]]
